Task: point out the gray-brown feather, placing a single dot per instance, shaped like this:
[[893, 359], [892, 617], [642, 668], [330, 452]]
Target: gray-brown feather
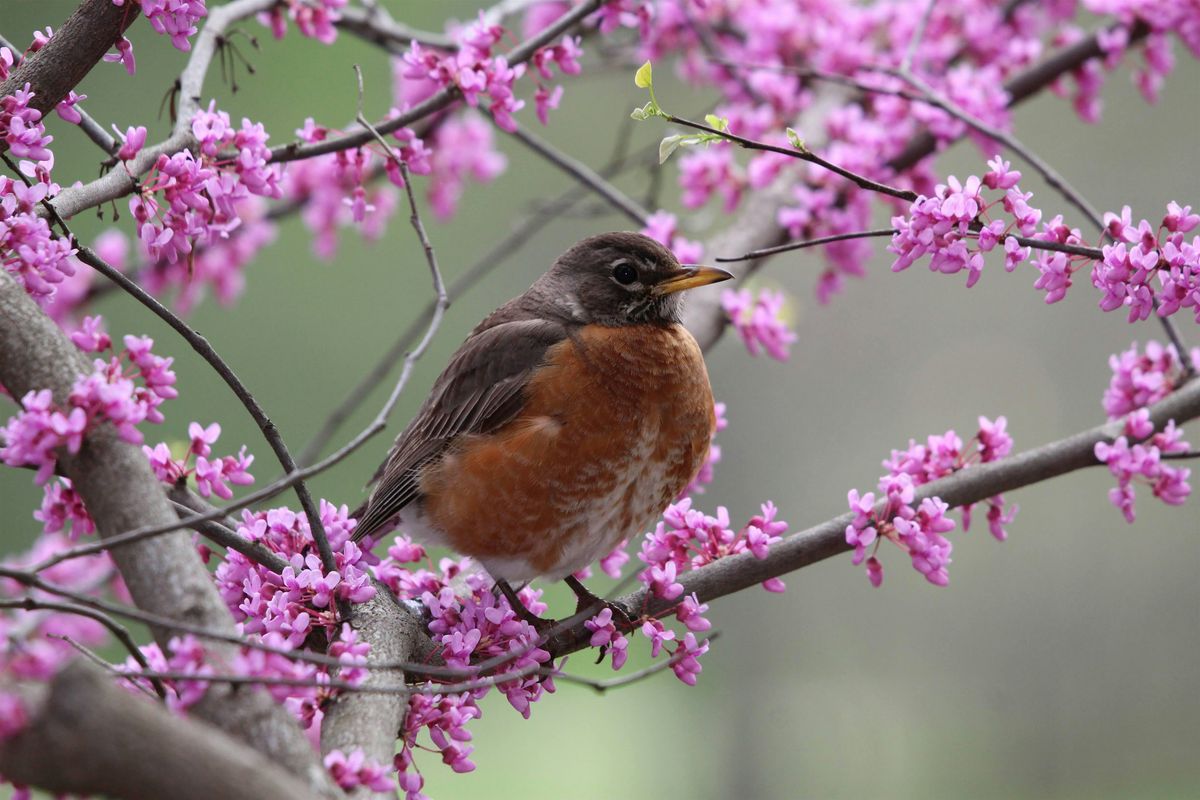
[[481, 389]]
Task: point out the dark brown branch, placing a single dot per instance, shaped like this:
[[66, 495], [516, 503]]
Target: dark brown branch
[[88, 737]]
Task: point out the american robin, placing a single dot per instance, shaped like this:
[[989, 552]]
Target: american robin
[[566, 422]]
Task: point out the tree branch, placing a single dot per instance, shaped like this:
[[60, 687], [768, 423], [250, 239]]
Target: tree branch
[[164, 575], [88, 737], [971, 485], [72, 51]]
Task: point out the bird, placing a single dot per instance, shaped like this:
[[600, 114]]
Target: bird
[[567, 421]]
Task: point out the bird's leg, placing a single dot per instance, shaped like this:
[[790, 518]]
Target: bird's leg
[[519, 608], [590, 602]]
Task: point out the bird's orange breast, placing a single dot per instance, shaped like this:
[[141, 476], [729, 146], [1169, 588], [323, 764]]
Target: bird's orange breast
[[615, 424]]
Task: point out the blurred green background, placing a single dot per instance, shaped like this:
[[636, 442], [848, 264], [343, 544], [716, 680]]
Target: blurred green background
[[1060, 664]]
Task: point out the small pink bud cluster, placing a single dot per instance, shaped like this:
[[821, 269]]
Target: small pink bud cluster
[[683, 540], [473, 70], [759, 321], [1149, 267], [1142, 379], [919, 531], [63, 510], [566, 55], [315, 20], [108, 394], [212, 476], [352, 771], [21, 127]]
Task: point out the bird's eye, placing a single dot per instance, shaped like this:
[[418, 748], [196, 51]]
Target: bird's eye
[[624, 274]]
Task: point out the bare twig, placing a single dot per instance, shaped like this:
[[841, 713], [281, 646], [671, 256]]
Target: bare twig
[[585, 175], [860, 181], [118, 630]]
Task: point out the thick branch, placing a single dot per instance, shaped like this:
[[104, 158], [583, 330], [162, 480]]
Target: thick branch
[[70, 54], [88, 737], [371, 721], [164, 575]]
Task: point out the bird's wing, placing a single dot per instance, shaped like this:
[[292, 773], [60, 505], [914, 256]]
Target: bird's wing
[[480, 390]]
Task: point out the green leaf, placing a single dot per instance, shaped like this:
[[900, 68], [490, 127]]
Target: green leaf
[[643, 79], [720, 123], [795, 141], [669, 145], [647, 111]]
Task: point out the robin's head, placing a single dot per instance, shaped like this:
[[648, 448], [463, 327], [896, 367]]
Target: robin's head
[[620, 279]]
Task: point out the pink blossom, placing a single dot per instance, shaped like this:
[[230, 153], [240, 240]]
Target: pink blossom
[[759, 321]]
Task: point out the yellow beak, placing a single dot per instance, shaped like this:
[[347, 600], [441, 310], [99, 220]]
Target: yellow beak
[[689, 277]]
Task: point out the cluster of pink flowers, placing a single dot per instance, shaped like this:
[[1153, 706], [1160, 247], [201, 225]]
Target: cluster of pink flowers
[[109, 393], [1126, 462], [1149, 267], [332, 188], [212, 476], [472, 69], [174, 18], [1144, 269], [302, 598], [21, 126], [1139, 380], [687, 539], [759, 321], [315, 20], [201, 195], [29, 251], [968, 52], [919, 531], [944, 225]]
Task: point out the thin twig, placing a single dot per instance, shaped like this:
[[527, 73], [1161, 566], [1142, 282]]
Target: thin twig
[[118, 630], [585, 175], [861, 181], [602, 686], [918, 35], [1093, 253]]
